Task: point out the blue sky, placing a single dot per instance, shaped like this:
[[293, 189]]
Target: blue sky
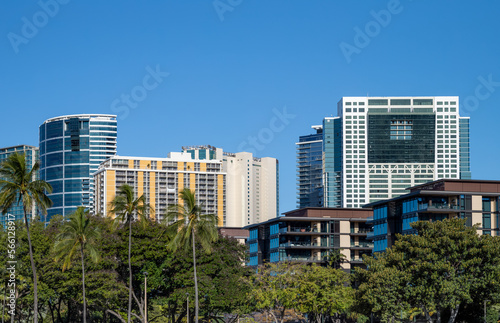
[[221, 72]]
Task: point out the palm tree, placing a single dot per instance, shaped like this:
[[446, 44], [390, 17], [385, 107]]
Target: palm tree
[[190, 225], [78, 233], [17, 185], [123, 206], [335, 258]]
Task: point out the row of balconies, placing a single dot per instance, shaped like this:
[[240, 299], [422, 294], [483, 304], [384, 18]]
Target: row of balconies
[[306, 244]]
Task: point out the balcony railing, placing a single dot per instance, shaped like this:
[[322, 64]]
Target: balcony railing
[[308, 229], [303, 244], [362, 245], [360, 230], [296, 244], [298, 258], [443, 206]]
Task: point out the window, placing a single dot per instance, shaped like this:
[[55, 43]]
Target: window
[[400, 102], [378, 102], [401, 129], [422, 101]]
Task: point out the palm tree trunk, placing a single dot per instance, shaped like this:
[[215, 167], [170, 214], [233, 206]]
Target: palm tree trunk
[[83, 285], [195, 281], [35, 285], [129, 267]]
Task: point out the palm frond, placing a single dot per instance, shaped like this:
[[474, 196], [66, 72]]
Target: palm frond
[[77, 232], [187, 218]]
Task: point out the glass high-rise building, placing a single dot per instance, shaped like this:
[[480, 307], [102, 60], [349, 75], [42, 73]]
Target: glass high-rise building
[[310, 169], [377, 147], [71, 149], [31, 154]]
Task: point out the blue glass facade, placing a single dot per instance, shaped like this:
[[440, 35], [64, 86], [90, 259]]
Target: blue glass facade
[[380, 228], [71, 149], [31, 154], [465, 172], [332, 161], [310, 170], [253, 247]]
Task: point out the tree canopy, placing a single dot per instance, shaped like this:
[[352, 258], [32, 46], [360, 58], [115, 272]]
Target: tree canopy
[[443, 267]]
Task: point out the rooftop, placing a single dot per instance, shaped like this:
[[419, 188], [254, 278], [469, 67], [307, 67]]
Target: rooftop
[[448, 187], [83, 116]]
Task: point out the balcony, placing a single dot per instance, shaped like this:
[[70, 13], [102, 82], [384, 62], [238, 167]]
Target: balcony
[[360, 230], [305, 244], [362, 245], [357, 260], [302, 259], [306, 230], [442, 206], [296, 244]]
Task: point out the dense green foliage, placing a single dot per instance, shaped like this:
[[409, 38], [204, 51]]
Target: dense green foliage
[[188, 226], [78, 234], [223, 282], [18, 185], [447, 272], [319, 292], [445, 269], [125, 207]]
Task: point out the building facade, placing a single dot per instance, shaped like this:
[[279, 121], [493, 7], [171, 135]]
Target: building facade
[[161, 180], [310, 169], [252, 188], [378, 146], [31, 155], [477, 201], [239, 188], [71, 149], [309, 234]]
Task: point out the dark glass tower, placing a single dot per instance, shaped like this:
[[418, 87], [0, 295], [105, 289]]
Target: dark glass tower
[[71, 149], [310, 169]]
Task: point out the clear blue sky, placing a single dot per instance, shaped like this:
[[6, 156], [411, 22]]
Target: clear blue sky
[[230, 70]]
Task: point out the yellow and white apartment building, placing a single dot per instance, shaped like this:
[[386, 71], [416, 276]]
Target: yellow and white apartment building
[[238, 188], [161, 180]]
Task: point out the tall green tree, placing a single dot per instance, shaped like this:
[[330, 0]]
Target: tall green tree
[[18, 185], [324, 292], [449, 263], [188, 225], [78, 234], [222, 279], [124, 206], [442, 268], [384, 288], [276, 288]]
